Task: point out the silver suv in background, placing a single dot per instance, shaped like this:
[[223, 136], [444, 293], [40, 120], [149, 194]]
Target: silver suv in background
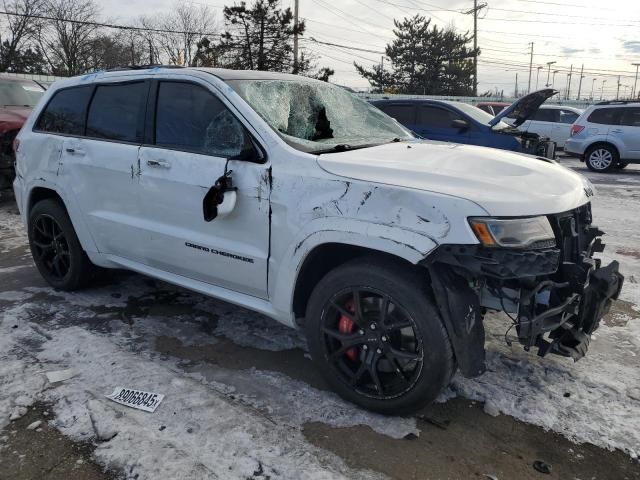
[[607, 136]]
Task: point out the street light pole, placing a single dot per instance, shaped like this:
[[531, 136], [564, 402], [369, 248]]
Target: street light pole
[[602, 89], [593, 84], [530, 69], [580, 84], [549, 71], [538, 75], [553, 79]]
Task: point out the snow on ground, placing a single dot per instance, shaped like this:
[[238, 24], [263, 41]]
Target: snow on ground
[[247, 423]]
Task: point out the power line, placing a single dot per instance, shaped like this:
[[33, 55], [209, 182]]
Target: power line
[[345, 46], [106, 25]]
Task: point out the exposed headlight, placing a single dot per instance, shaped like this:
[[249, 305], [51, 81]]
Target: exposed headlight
[[513, 232]]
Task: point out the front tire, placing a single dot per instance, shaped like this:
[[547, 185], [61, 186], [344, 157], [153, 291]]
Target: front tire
[[601, 158], [55, 247], [375, 333]]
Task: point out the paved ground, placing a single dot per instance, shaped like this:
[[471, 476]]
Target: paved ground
[[242, 400]]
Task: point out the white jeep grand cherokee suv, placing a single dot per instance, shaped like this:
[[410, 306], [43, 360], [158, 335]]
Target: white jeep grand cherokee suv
[[294, 198]]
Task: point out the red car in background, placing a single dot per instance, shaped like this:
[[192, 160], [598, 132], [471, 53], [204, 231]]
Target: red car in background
[[18, 96], [492, 108]]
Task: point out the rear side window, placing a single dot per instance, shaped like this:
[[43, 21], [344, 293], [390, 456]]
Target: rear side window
[[567, 116], [117, 112], [405, 114], [546, 115], [605, 116], [630, 117], [190, 118], [435, 117], [66, 111]]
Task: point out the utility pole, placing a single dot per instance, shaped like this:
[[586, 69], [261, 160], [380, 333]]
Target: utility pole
[[476, 8], [538, 75], [515, 92], [634, 92], [569, 75], [580, 84], [618, 89], [593, 84], [548, 72], [530, 69], [602, 88], [295, 36], [382, 74], [553, 79]]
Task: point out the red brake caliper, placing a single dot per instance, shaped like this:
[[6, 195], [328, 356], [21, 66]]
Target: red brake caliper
[[345, 325]]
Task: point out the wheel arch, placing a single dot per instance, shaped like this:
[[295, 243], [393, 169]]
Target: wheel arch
[[602, 143], [42, 191], [324, 258]]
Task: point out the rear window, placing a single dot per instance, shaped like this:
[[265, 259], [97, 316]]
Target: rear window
[[65, 112], [405, 114], [605, 116], [117, 112]]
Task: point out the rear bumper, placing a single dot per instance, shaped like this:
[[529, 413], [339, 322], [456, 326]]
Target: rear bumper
[[574, 148]]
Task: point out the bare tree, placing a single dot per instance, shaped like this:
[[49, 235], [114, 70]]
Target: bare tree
[[20, 29], [193, 22], [66, 39]]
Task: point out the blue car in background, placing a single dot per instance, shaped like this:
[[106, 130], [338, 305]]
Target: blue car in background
[[464, 123]]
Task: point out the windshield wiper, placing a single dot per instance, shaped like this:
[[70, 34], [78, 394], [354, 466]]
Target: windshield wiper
[[343, 147], [17, 105]]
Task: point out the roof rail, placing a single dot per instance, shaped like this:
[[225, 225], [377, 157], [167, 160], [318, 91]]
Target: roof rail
[[617, 102], [142, 67]]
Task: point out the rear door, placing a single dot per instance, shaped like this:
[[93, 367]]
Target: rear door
[[542, 122], [102, 165], [434, 122], [628, 132], [194, 138]]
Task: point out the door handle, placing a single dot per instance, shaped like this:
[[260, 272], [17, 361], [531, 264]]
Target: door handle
[[158, 163], [74, 151]]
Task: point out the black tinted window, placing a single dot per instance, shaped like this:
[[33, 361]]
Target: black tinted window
[[435, 117], [65, 112], [606, 116], [117, 112], [546, 115], [405, 114], [630, 117], [567, 116], [188, 117]]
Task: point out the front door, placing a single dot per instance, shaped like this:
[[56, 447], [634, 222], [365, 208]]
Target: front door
[[194, 138]]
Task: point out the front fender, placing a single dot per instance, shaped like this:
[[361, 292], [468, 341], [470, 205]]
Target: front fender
[[406, 244]]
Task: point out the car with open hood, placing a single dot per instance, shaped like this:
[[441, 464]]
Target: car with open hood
[[298, 200], [18, 96], [460, 122]]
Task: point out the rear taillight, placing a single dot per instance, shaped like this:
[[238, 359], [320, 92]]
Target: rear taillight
[[576, 129]]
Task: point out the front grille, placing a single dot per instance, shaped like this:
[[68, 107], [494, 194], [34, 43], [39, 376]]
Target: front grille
[[571, 230]]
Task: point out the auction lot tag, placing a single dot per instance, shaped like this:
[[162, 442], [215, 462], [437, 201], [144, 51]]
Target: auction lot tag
[[146, 401]]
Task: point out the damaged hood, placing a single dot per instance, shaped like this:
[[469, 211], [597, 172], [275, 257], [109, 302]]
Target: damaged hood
[[525, 107], [501, 182]]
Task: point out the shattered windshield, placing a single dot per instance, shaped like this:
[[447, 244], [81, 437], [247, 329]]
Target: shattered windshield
[[318, 117]]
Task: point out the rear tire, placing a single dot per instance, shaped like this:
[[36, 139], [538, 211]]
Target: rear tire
[[601, 158], [56, 249], [391, 355]]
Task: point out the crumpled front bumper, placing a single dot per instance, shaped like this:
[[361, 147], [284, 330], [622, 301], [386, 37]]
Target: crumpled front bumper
[[555, 296], [565, 327]]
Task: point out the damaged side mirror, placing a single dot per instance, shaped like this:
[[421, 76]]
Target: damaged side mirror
[[221, 199]]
